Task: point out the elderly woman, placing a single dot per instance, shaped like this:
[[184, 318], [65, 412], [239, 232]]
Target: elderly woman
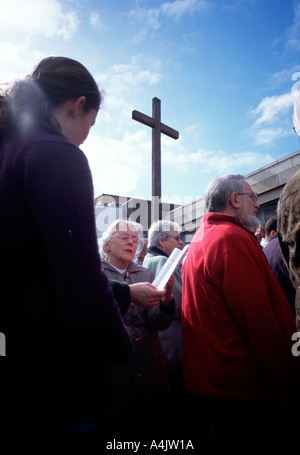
[[138, 389], [163, 237]]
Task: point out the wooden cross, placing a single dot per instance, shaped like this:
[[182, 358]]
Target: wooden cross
[[157, 128]]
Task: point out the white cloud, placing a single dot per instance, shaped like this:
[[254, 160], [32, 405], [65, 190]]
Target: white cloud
[[240, 5], [220, 161], [125, 78], [267, 136], [271, 108], [191, 129], [94, 19], [37, 17], [293, 32], [118, 148], [181, 7], [122, 83], [118, 164], [273, 119], [23, 26], [282, 78], [17, 60], [147, 20], [150, 20]]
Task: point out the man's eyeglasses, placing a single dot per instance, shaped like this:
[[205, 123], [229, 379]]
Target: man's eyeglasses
[[253, 196], [126, 237]]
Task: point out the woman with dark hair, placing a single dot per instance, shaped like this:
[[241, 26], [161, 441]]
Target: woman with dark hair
[[57, 311], [43, 98]]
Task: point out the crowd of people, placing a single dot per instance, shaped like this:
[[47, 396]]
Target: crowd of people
[[93, 347]]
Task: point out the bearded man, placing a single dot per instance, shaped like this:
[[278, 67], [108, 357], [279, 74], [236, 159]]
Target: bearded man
[[237, 324]]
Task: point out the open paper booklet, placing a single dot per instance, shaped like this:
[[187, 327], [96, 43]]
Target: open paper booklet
[[173, 261]]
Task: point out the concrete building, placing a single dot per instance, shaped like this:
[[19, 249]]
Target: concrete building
[[109, 207], [139, 210], [267, 181], [110, 200]]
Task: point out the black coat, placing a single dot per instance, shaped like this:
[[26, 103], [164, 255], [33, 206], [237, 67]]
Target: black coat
[[138, 390], [275, 259], [57, 311]]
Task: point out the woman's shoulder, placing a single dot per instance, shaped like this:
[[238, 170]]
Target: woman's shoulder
[[154, 263], [37, 143], [154, 259], [33, 136], [48, 139], [109, 270], [143, 272]]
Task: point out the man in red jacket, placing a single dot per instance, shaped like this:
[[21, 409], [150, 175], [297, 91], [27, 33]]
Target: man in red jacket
[[237, 324]]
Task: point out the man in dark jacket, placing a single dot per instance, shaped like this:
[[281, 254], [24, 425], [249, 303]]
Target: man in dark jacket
[[273, 254]]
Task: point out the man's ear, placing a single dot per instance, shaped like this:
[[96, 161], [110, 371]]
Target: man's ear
[[161, 243], [234, 199]]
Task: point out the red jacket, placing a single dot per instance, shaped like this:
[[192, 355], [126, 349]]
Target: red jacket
[[237, 324]]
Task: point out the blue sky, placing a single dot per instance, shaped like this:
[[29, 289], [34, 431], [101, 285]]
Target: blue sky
[[224, 71]]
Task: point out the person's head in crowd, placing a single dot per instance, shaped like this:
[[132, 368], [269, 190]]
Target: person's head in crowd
[[232, 194], [60, 96], [119, 243], [271, 228], [142, 250], [165, 235]]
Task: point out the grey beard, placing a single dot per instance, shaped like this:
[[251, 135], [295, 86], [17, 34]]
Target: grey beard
[[250, 221]]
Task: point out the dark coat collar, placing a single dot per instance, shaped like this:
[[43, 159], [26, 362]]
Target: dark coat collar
[[154, 249]]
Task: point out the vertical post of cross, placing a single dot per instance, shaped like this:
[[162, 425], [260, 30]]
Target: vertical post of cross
[[157, 128], [156, 207]]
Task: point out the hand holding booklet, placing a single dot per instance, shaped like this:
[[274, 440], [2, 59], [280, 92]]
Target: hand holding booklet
[[168, 269]]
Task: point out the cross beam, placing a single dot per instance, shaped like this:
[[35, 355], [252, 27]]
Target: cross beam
[[157, 128]]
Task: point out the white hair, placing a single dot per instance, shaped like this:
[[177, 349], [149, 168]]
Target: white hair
[[117, 226], [161, 230]]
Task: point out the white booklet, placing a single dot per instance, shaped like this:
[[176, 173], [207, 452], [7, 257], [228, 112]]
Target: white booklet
[[167, 270]]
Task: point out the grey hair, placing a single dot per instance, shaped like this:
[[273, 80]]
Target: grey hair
[[217, 195], [161, 230], [117, 226]]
